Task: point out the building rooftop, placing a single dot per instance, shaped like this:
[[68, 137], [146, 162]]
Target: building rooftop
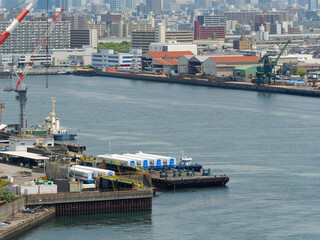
[[166, 61], [236, 59], [169, 54]]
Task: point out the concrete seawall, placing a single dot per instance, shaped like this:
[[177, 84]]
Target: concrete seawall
[[22, 222], [94, 202], [11, 208], [206, 83]]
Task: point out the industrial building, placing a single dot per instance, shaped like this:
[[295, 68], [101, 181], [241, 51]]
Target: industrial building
[[149, 57], [107, 58], [172, 46], [78, 56], [224, 66]]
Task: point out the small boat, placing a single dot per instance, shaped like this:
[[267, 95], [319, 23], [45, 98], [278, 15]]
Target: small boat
[[63, 72], [64, 136], [187, 164]]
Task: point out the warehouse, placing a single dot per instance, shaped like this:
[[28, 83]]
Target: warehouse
[[224, 66]]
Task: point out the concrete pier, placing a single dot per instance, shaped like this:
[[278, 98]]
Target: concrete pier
[[21, 222], [204, 82], [94, 202]]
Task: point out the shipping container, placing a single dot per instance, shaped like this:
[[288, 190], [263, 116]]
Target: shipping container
[[63, 185], [88, 187], [48, 189], [28, 190], [97, 171], [74, 187]]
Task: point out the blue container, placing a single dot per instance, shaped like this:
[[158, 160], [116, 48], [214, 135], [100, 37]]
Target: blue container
[[172, 163], [159, 165], [145, 164]]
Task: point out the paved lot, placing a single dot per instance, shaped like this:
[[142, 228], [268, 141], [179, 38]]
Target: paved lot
[[15, 172]]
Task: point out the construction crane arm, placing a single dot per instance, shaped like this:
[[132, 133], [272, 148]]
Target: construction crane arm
[[6, 33], [275, 62], [38, 49]]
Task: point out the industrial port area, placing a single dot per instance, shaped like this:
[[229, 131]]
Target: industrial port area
[[128, 70]]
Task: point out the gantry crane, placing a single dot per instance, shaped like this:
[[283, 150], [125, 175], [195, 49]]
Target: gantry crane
[[20, 88], [265, 72]]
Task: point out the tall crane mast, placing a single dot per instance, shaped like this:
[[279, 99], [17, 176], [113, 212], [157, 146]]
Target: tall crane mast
[[21, 89]]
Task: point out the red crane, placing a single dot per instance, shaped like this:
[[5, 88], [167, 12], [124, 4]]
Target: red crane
[[6, 33]]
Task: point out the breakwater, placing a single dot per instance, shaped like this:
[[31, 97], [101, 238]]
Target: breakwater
[[208, 83]]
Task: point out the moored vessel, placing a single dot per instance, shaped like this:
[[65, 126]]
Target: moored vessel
[[84, 72]]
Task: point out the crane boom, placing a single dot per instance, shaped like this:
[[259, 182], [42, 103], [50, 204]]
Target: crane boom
[[274, 63], [6, 33], [38, 48]]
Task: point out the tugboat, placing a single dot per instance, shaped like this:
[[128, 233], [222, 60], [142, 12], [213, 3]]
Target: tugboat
[[186, 164], [52, 125]]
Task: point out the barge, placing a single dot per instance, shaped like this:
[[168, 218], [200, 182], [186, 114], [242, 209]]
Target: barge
[[191, 181]]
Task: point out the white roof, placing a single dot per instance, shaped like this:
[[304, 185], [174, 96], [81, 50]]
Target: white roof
[[25, 155], [2, 126]]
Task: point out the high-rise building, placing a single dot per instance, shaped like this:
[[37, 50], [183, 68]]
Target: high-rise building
[[8, 4], [115, 4], [155, 6], [142, 39], [313, 4], [212, 20], [208, 32], [78, 21], [205, 4], [80, 38], [43, 4], [27, 36], [62, 4]]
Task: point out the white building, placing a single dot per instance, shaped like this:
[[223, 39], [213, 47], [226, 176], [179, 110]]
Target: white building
[[172, 46], [81, 56], [262, 34], [108, 59], [22, 143], [6, 59]]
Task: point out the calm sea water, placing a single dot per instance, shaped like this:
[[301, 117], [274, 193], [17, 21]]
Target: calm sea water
[[268, 144]]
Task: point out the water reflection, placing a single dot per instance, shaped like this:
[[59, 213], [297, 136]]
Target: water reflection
[[108, 219]]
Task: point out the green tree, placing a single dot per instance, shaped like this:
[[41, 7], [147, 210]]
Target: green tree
[[7, 196], [124, 46], [301, 72]]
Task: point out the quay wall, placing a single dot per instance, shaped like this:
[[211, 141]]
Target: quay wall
[[94, 202], [11, 208], [198, 82], [33, 220]]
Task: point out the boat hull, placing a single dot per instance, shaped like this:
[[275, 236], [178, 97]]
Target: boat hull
[[64, 136]]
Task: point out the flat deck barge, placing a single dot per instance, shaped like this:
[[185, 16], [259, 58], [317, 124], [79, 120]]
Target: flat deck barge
[[185, 181]]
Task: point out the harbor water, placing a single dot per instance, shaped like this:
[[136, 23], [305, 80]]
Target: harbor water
[[268, 144]]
